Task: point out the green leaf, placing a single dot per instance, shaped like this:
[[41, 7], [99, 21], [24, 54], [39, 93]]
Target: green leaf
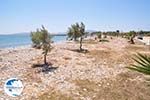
[[143, 64]]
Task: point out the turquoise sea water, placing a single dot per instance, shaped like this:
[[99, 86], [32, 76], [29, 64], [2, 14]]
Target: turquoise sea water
[[14, 40]]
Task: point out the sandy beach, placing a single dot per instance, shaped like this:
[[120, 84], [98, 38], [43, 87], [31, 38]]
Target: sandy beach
[[99, 74]]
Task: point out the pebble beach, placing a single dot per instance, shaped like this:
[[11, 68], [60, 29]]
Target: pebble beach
[[99, 74]]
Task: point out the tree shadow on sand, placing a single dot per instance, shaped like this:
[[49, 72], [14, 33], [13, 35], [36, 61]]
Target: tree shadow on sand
[[45, 68], [78, 50]]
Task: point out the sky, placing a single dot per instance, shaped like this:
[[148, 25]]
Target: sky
[[57, 15]]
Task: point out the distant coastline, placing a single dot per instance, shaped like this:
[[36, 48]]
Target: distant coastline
[[28, 33]]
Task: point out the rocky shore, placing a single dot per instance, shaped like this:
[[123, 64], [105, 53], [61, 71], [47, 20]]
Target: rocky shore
[[99, 74]]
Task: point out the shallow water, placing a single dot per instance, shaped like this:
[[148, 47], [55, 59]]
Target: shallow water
[[14, 40]]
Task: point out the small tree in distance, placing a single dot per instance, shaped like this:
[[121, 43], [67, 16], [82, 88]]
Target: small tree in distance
[[42, 39], [77, 31], [132, 35], [117, 32]]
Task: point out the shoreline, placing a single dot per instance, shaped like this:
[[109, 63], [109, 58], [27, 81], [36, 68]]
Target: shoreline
[[30, 46]]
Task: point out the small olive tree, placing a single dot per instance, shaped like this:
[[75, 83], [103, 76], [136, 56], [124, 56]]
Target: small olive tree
[[41, 38], [132, 35], [99, 35], [77, 31]]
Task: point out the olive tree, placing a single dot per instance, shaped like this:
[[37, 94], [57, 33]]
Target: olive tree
[[77, 31], [42, 38], [132, 35]]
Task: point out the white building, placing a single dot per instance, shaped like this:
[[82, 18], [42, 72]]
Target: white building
[[146, 40]]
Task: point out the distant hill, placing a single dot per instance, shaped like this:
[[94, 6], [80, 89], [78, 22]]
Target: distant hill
[[59, 34], [90, 31], [53, 34]]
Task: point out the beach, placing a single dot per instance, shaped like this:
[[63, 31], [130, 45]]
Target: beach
[[98, 74]]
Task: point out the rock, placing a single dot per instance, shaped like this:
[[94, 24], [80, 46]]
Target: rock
[[84, 89]]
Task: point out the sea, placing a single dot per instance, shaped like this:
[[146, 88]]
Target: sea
[[15, 40]]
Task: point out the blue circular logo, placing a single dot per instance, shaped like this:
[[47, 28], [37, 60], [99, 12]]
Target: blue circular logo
[[13, 87]]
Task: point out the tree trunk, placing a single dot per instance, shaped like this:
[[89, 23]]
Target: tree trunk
[[45, 59], [132, 39], [81, 44], [75, 38]]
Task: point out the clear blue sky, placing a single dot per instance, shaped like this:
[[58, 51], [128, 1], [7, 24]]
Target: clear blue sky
[[27, 15]]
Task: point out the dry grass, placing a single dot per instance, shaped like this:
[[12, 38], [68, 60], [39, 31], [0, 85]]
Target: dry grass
[[91, 41], [53, 95], [86, 41], [111, 57], [122, 87], [137, 48]]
